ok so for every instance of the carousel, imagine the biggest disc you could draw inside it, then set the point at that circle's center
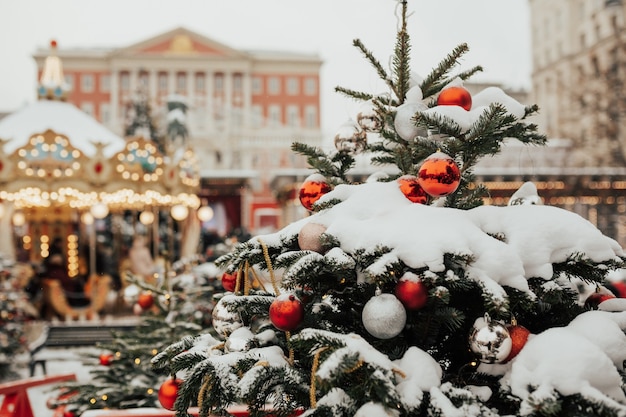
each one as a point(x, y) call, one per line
point(70, 186)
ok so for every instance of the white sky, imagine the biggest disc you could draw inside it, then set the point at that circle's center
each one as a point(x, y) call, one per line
point(497, 32)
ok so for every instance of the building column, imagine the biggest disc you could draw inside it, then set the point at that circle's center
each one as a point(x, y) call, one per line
point(247, 98)
point(115, 101)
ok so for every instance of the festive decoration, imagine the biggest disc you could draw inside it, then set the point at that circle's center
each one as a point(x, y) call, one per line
point(168, 392)
point(597, 297)
point(350, 138)
point(490, 341)
point(366, 117)
point(225, 321)
point(229, 281)
point(404, 121)
point(130, 294)
point(439, 175)
point(618, 288)
point(313, 187)
point(384, 316)
point(410, 187)
point(146, 300)
point(525, 195)
point(455, 96)
point(286, 312)
point(309, 237)
point(519, 337)
point(411, 292)
point(106, 358)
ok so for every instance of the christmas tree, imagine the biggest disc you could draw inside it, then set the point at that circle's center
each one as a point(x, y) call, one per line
point(121, 374)
point(403, 295)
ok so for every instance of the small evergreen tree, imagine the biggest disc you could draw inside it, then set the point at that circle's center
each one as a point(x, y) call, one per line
point(402, 295)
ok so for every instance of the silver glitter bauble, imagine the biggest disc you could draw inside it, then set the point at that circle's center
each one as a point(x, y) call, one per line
point(131, 294)
point(366, 117)
point(350, 138)
point(384, 316)
point(404, 121)
point(309, 237)
point(225, 321)
point(491, 341)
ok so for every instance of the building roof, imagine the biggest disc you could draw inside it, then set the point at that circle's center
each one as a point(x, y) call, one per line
point(63, 118)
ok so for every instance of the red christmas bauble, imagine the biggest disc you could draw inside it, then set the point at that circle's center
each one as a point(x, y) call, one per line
point(286, 312)
point(455, 96)
point(229, 281)
point(106, 359)
point(69, 414)
point(413, 294)
point(594, 300)
point(519, 337)
point(312, 189)
point(411, 189)
point(169, 392)
point(618, 288)
point(145, 300)
point(439, 175)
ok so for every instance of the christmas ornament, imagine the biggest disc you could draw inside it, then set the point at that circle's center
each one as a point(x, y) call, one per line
point(409, 185)
point(439, 175)
point(229, 281)
point(414, 95)
point(525, 195)
point(168, 392)
point(383, 316)
point(519, 337)
point(455, 96)
point(145, 300)
point(225, 321)
point(490, 340)
point(106, 359)
point(350, 138)
point(286, 312)
point(411, 292)
point(313, 187)
point(366, 117)
point(404, 121)
point(618, 288)
point(309, 237)
point(597, 297)
point(131, 294)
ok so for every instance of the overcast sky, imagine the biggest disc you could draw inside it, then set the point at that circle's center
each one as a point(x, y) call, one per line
point(497, 32)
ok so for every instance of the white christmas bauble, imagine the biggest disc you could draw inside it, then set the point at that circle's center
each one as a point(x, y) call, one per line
point(131, 294)
point(309, 237)
point(350, 138)
point(384, 316)
point(404, 120)
point(367, 118)
point(225, 321)
point(414, 95)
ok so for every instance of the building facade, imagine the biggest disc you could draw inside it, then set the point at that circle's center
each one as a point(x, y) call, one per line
point(245, 108)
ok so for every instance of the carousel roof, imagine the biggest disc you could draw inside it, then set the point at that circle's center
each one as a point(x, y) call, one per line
point(63, 118)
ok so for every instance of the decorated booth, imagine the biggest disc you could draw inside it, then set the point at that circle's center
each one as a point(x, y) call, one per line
point(70, 186)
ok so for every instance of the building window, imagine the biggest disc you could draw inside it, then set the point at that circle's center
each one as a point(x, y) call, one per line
point(273, 85)
point(292, 86)
point(105, 83)
point(86, 83)
point(219, 83)
point(293, 116)
point(257, 85)
point(238, 83)
point(200, 84)
point(105, 113)
point(162, 81)
point(181, 82)
point(274, 115)
point(69, 80)
point(256, 115)
point(310, 117)
point(310, 86)
point(125, 81)
point(87, 107)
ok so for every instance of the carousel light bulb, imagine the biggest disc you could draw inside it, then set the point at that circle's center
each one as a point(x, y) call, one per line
point(179, 212)
point(99, 210)
point(18, 218)
point(146, 217)
point(205, 213)
point(87, 218)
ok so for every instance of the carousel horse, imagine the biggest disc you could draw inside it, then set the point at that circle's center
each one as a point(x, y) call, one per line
point(94, 298)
